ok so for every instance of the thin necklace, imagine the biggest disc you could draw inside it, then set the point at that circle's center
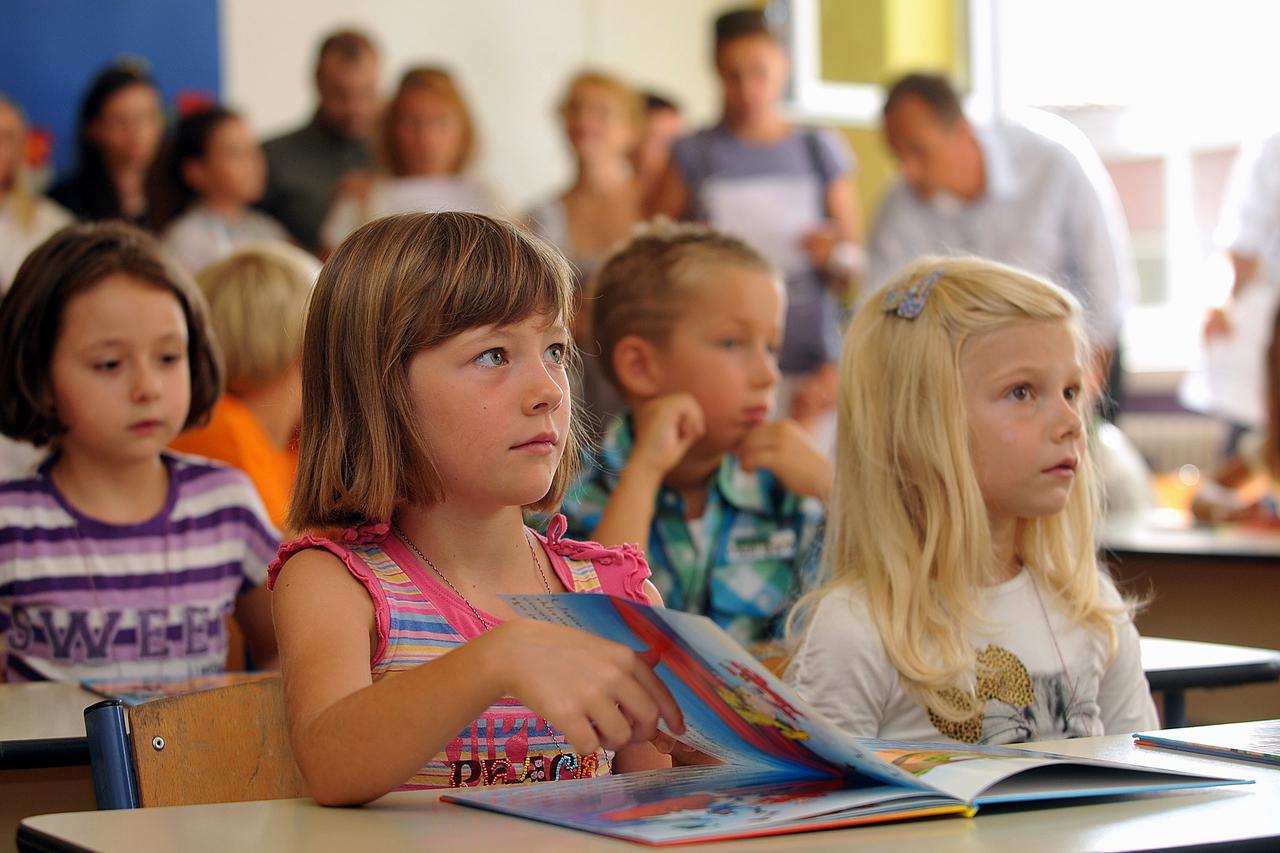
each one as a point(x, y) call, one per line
point(404, 537)
point(1053, 635)
point(537, 565)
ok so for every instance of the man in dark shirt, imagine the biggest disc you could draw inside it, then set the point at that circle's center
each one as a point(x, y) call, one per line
point(306, 166)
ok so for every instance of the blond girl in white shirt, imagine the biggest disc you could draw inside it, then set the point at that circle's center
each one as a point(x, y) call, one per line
point(962, 597)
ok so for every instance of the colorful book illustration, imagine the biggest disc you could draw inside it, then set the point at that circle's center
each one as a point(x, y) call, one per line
point(1258, 742)
point(786, 769)
point(135, 691)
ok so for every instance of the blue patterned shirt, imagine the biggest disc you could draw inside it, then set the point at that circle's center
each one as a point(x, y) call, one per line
point(761, 541)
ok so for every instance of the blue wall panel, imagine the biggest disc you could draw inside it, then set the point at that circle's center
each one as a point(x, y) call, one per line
point(51, 49)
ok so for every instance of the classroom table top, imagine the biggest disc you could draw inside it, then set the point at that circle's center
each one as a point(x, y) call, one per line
point(42, 724)
point(1156, 535)
point(1179, 664)
point(416, 820)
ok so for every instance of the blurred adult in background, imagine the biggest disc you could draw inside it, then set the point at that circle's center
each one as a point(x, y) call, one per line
point(207, 180)
point(306, 168)
point(120, 129)
point(426, 145)
point(785, 190)
point(1249, 231)
point(1247, 487)
point(1029, 191)
point(26, 219)
point(1250, 227)
point(662, 126)
point(602, 119)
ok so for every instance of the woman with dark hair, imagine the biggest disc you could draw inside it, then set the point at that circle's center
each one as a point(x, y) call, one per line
point(119, 134)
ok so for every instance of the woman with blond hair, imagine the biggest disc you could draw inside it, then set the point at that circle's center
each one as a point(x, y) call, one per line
point(962, 598)
point(426, 146)
point(602, 117)
point(26, 219)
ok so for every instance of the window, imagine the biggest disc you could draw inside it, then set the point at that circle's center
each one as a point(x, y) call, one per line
point(1166, 92)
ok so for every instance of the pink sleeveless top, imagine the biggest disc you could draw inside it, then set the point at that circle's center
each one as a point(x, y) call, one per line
point(419, 618)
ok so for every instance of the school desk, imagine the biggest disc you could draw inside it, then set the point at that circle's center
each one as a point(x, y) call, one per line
point(1174, 666)
point(1245, 815)
point(1215, 585)
point(42, 724)
point(44, 757)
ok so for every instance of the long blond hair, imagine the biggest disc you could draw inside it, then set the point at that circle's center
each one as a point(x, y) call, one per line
point(17, 193)
point(907, 519)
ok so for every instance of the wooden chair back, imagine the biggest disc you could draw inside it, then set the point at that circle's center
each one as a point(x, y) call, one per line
point(215, 746)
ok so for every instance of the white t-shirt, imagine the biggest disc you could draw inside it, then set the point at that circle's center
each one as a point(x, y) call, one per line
point(1251, 209)
point(388, 196)
point(201, 236)
point(842, 669)
point(18, 238)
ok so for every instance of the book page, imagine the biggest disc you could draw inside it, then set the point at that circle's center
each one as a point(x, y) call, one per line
point(990, 774)
point(734, 708)
point(690, 803)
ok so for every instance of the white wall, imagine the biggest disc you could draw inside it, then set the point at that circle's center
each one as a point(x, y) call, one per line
point(512, 59)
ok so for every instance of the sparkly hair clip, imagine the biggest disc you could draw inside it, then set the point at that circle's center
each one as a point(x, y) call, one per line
point(908, 302)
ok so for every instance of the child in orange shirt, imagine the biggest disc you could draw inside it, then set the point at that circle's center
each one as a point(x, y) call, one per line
point(257, 301)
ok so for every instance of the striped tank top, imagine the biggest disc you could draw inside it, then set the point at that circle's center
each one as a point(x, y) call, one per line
point(419, 619)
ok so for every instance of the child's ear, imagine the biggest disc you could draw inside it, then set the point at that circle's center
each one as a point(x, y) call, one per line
point(635, 363)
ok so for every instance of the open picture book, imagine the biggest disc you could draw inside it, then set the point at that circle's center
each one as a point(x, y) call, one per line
point(786, 769)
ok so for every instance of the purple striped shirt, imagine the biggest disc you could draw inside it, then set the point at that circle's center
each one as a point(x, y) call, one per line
point(82, 598)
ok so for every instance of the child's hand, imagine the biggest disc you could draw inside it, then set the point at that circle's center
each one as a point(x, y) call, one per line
point(681, 754)
point(787, 450)
point(666, 427)
point(820, 242)
point(600, 694)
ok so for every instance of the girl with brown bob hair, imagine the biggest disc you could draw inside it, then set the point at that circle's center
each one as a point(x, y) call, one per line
point(131, 555)
point(435, 410)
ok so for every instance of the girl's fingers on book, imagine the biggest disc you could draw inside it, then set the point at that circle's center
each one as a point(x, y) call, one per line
point(640, 710)
point(610, 724)
point(664, 742)
point(580, 734)
point(667, 707)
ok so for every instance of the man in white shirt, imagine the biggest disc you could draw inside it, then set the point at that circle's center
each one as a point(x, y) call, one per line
point(1250, 228)
point(1249, 232)
point(1030, 192)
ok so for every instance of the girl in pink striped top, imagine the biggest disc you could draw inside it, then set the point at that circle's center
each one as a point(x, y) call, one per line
point(435, 410)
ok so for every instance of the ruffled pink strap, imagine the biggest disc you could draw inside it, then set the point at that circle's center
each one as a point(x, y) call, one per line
point(359, 569)
point(622, 569)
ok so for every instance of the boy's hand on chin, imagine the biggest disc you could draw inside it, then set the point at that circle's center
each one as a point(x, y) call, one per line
point(666, 427)
point(786, 449)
